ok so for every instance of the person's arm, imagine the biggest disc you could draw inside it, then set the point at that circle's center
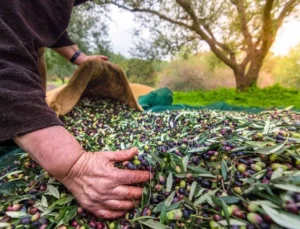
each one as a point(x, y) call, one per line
point(68, 51)
point(92, 178)
point(65, 47)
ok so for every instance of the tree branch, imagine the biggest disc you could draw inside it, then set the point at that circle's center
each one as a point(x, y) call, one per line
point(245, 62)
point(267, 32)
point(231, 62)
point(244, 24)
point(221, 45)
point(161, 16)
point(287, 9)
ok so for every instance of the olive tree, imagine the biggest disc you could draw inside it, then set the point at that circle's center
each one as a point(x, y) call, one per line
point(239, 32)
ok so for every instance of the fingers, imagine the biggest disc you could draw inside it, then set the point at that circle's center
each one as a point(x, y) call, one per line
point(127, 193)
point(106, 214)
point(105, 58)
point(122, 155)
point(120, 205)
point(132, 177)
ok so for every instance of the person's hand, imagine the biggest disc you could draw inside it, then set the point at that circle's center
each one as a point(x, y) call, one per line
point(82, 58)
point(97, 185)
point(68, 51)
point(103, 189)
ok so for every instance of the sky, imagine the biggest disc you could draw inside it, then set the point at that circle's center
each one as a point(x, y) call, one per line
point(121, 30)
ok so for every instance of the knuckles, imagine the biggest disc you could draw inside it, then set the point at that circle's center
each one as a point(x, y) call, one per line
point(128, 193)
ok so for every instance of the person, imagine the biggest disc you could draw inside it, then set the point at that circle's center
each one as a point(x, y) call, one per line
point(25, 27)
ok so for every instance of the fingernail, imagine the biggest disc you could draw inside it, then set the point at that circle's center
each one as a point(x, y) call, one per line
point(135, 149)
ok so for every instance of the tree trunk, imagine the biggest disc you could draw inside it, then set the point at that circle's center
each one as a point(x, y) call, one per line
point(245, 79)
point(243, 82)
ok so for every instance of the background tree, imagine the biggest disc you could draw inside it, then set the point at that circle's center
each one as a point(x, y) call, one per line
point(239, 32)
point(141, 71)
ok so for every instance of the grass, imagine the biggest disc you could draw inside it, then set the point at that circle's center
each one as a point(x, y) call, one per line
point(268, 97)
point(56, 82)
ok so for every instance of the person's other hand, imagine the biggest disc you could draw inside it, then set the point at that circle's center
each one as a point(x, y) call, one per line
point(82, 58)
point(103, 189)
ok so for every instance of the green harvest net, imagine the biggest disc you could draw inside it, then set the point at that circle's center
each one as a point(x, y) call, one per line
point(162, 100)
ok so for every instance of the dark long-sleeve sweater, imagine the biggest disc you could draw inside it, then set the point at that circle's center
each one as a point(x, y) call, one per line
point(26, 26)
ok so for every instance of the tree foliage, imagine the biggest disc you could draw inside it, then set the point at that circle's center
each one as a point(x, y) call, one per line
point(141, 71)
point(287, 68)
point(239, 32)
point(88, 29)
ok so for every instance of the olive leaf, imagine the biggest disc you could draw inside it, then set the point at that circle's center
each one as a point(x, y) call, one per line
point(193, 189)
point(163, 215)
point(62, 201)
point(5, 225)
point(270, 150)
point(209, 200)
point(234, 222)
point(200, 171)
point(277, 174)
point(169, 182)
point(60, 216)
point(229, 199)
point(145, 197)
point(294, 140)
point(70, 214)
point(16, 214)
point(44, 201)
point(267, 126)
point(284, 219)
point(122, 146)
point(170, 198)
point(159, 207)
point(153, 224)
point(224, 170)
point(188, 203)
point(266, 203)
point(53, 191)
point(185, 162)
point(288, 187)
point(226, 213)
point(198, 150)
point(205, 197)
point(11, 173)
point(157, 159)
point(200, 200)
point(201, 190)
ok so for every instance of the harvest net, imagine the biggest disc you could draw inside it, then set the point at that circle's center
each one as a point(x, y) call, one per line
point(211, 169)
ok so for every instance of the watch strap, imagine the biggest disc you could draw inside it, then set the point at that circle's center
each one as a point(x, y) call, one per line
point(75, 56)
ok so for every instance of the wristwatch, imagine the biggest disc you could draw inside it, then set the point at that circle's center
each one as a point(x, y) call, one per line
point(75, 56)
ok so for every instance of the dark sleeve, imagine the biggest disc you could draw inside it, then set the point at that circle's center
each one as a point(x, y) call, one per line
point(63, 41)
point(23, 108)
point(22, 103)
point(78, 2)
